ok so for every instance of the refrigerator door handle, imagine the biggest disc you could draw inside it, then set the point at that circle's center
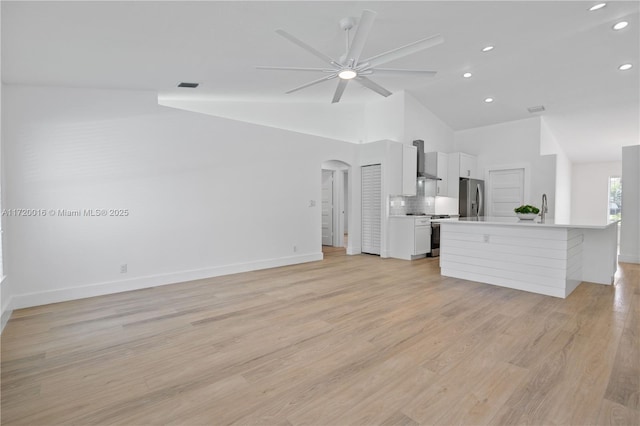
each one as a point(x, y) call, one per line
point(479, 199)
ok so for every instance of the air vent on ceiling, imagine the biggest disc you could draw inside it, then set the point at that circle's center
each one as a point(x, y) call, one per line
point(535, 109)
point(189, 85)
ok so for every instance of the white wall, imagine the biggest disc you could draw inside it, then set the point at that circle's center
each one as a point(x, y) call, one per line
point(205, 195)
point(346, 120)
point(399, 117)
point(421, 123)
point(5, 293)
point(384, 119)
point(402, 118)
point(590, 191)
point(513, 144)
point(549, 146)
point(630, 226)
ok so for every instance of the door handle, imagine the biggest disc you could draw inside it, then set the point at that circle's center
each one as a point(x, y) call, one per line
point(479, 199)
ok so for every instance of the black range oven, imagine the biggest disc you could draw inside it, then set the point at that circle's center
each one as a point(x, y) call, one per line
point(435, 235)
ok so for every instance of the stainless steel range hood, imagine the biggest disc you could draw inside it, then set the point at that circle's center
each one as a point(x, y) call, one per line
point(422, 174)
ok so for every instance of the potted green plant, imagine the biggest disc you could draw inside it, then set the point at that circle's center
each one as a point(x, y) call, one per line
point(526, 212)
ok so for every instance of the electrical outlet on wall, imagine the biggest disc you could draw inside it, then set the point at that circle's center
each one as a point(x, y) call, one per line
point(295, 249)
point(123, 268)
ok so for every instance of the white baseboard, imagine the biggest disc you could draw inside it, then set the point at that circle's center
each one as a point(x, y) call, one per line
point(570, 286)
point(100, 289)
point(354, 250)
point(502, 282)
point(6, 314)
point(6, 308)
point(628, 259)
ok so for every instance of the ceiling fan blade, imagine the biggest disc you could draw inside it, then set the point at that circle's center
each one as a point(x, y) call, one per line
point(306, 47)
point(361, 36)
point(339, 90)
point(403, 51)
point(373, 86)
point(293, 69)
point(320, 80)
point(382, 71)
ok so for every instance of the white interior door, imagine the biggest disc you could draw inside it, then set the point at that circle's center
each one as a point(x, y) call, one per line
point(327, 207)
point(345, 204)
point(371, 208)
point(506, 191)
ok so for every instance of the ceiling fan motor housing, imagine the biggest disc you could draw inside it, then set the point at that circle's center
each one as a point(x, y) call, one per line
point(347, 23)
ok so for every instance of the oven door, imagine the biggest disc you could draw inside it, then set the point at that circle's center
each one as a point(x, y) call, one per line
point(435, 239)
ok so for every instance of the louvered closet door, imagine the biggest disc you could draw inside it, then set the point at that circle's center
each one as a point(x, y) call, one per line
point(371, 208)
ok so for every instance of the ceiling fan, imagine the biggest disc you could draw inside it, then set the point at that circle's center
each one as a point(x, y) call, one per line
point(349, 66)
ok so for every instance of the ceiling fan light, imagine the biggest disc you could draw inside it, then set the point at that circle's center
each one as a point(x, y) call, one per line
point(347, 74)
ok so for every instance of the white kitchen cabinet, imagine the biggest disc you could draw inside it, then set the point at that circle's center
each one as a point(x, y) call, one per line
point(437, 163)
point(461, 165)
point(409, 169)
point(468, 166)
point(409, 237)
point(402, 169)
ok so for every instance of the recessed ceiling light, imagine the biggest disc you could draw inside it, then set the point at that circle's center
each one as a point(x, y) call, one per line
point(597, 7)
point(625, 67)
point(620, 25)
point(488, 100)
point(488, 48)
point(347, 74)
point(467, 75)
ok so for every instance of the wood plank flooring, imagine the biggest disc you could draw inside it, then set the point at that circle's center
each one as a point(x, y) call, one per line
point(350, 340)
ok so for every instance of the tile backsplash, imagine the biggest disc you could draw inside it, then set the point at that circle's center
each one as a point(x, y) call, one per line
point(423, 202)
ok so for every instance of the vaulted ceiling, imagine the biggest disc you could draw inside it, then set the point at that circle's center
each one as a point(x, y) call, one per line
point(551, 53)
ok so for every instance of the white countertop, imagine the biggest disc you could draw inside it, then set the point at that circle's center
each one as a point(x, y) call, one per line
point(514, 221)
point(428, 216)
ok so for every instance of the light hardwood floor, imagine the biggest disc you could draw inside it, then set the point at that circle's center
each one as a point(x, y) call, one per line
point(349, 340)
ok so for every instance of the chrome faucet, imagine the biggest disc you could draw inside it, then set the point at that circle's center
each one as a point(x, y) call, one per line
point(544, 208)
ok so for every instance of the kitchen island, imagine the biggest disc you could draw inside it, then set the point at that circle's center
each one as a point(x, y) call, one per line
point(547, 258)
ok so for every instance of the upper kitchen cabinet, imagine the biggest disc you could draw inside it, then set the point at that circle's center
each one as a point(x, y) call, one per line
point(437, 163)
point(401, 168)
point(465, 165)
point(409, 169)
point(461, 165)
point(468, 166)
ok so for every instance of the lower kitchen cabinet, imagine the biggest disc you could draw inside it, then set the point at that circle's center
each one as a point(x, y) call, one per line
point(409, 237)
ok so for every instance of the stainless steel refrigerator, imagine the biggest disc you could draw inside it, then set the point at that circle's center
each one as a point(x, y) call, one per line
point(471, 197)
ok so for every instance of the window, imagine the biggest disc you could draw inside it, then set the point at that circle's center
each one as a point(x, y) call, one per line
point(615, 197)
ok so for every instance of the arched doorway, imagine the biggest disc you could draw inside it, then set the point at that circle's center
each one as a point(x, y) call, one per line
point(336, 184)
